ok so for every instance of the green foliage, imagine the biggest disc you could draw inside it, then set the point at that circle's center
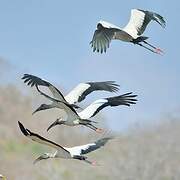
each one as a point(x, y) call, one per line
point(12, 146)
point(144, 154)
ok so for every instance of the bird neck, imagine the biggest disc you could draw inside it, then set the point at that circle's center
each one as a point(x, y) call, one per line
point(53, 105)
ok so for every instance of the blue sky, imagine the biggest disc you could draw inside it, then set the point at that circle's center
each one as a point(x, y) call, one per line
point(51, 39)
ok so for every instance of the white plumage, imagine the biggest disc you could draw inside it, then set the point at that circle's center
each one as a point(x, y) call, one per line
point(73, 96)
point(74, 118)
point(132, 32)
point(89, 111)
point(77, 94)
point(108, 24)
point(136, 23)
point(75, 152)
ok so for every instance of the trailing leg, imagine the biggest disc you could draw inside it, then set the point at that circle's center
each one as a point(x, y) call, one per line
point(147, 48)
point(158, 50)
point(83, 158)
point(89, 125)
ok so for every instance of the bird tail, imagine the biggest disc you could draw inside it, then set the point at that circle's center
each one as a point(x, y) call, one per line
point(87, 121)
point(140, 39)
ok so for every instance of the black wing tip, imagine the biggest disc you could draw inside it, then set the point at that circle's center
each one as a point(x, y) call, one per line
point(97, 50)
point(112, 83)
point(110, 86)
point(25, 76)
point(163, 24)
point(130, 97)
point(114, 86)
point(22, 128)
point(32, 80)
point(127, 99)
point(104, 140)
point(129, 94)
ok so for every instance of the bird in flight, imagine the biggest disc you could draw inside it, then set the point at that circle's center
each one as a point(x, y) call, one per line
point(76, 95)
point(132, 32)
point(74, 118)
point(76, 152)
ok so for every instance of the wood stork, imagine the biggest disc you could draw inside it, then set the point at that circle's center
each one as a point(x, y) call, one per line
point(130, 33)
point(78, 94)
point(75, 152)
point(74, 118)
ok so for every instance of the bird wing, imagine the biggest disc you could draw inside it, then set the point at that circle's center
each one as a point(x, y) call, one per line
point(84, 149)
point(32, 80)
point(103, 36)
point(80, 92)
point(68, 108)
point(125, 99)
point(42, 140)
point(70, 111)
point(139, 20)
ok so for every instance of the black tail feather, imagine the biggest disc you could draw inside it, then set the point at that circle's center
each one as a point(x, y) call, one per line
point(140, 39)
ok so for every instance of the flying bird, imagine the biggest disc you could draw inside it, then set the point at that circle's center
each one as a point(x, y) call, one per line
point(76, 152)
point(132, 32)
point(76, 95)
point(74, 118)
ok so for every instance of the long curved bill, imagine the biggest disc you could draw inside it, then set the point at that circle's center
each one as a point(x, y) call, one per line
point(38, 109)
point(54, 124)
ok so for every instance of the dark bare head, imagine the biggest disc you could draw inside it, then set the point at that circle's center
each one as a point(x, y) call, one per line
point(42, 107)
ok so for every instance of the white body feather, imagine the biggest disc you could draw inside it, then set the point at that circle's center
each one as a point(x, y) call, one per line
point(135, 22)
point(77, 149)
point(108, 25)
point(91, 109)
point(73, 96)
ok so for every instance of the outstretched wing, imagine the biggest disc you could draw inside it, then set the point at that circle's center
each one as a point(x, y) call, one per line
point(139, 20)
point(42, 140)
point(96, 145)
point(32, 80)
point(84, 149)
point(125, 99)
point(103, 35)
point(80, 92)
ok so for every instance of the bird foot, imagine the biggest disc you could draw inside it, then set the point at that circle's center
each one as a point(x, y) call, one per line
point(159, 51)
point(94, 163)
point(99, 130)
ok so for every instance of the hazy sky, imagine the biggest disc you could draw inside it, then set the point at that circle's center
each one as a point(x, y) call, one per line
point(51, 39)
